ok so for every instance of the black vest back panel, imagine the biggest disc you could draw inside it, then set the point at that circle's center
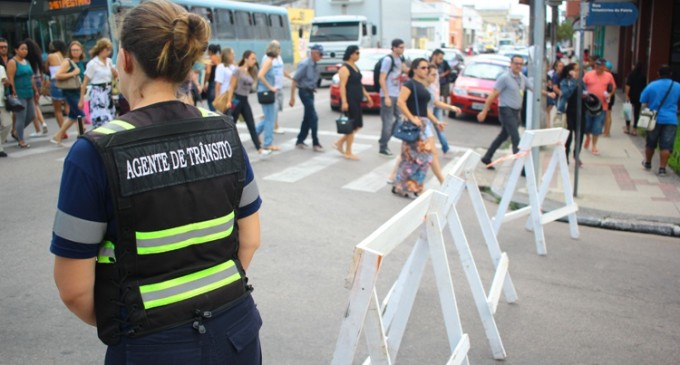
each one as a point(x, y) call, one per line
point(176, 188)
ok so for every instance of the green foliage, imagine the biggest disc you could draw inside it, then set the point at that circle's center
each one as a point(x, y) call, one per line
point(565, 31)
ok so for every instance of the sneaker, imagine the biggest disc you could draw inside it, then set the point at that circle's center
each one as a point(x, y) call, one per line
point(3, 154)
point(646, 165)
point(386, 153)
point(264, 153)
point(279, 131)
point(44, 129)
point(35, 134)
point(301, 146)
point(318, 148)
point(486, 162)
point(662, 171)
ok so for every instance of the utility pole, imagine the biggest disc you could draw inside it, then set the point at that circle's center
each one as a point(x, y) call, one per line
point(538, 73)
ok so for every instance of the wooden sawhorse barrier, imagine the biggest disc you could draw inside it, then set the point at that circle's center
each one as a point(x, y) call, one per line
point(384, 327)
point(459, 180)
point(537, 138)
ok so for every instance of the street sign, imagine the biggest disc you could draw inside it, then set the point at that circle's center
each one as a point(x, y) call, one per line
point(621, 14)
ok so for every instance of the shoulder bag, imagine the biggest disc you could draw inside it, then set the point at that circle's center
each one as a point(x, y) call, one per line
point(72, 83)
point(266, 97)
point(344, 124)
point(648, 117)
point(12, 103)
point(404, 129)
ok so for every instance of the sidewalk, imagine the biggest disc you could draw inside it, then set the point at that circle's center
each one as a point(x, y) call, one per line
point(614, 190)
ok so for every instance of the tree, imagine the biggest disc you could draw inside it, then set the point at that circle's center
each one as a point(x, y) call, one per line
point(565, 31)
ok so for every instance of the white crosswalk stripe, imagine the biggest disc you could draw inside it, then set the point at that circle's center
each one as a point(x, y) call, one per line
point(311, 166)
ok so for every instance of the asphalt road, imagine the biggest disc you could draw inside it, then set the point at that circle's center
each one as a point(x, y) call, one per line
point(607, 298)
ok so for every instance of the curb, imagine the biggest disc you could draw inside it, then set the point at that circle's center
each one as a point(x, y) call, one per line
point(661, 226)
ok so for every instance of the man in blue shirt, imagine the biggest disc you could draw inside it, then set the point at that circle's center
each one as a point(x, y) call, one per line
point(305, 79)
point(663, 134)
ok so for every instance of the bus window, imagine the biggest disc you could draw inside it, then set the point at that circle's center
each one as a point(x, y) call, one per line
point(244, 25)
point(205, 13)
point(84, 26)
point(225, 24)
point(277, 27)
point(261, 24)
point(364, 31)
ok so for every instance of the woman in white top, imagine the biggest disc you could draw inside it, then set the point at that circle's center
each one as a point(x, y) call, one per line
point(56, 57)
point(99, 73)
point(223, 72)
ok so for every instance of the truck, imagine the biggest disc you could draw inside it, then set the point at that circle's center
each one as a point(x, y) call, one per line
point(363, 23)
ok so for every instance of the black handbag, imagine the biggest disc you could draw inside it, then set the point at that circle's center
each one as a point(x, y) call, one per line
point(12, 104)
point(266, 97)
point(344, 124)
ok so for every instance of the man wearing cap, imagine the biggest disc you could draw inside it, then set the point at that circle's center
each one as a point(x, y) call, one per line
point(305, 80)
point(662, 96)
point(596, 82)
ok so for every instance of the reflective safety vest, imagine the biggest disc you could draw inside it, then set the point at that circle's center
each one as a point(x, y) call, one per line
point(176, 188)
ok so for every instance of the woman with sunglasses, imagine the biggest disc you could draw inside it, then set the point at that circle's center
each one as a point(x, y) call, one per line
point(352, 92)
point(415, 156)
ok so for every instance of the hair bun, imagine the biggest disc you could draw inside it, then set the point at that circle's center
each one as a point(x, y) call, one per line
point(190, 36)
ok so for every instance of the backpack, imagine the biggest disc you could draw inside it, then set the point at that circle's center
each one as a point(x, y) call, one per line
point(376, 71)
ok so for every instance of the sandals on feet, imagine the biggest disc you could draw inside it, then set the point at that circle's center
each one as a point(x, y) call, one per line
point(25, 145)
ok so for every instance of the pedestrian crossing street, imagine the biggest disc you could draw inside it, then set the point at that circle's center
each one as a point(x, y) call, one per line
point(311, 165)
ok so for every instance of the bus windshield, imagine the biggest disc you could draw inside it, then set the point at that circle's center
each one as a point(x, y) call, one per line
point(325, 32)
point(86, 27)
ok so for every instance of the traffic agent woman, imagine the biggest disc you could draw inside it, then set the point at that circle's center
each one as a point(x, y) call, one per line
point(157, 219)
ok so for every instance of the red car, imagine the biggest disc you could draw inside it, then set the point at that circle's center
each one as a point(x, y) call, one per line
point(475, 83)
point(367, 60)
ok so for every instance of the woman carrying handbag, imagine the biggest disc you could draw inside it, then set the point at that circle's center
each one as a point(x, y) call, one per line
point(352, 92)
point(415, 156)
point(22, 86)
point(68, 77)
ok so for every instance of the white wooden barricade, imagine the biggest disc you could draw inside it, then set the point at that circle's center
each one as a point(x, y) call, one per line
point(384, 328)
point(459, 180)
point(536, 138)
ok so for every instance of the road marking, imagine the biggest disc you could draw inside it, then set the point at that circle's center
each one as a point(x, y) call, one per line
point(374, 180)
point(300, 171)
point(39, 150)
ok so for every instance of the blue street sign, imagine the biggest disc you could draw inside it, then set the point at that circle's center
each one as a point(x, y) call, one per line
point(621, 14)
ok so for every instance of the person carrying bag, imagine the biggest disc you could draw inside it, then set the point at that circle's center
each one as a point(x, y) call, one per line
point(72, 83)
point(648, 117)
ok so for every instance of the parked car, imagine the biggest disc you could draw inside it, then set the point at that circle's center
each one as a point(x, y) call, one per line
point(475, 83)
point(367, 60)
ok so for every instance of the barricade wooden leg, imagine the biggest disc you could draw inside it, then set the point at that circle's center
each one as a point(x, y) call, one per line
point(357, 307)
point(535, 206)
point(442, 273)
point(489, 236)
point(478, 292)
point(374, 332)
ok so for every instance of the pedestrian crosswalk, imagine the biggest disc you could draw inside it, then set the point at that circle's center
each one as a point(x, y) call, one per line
point(297, 167)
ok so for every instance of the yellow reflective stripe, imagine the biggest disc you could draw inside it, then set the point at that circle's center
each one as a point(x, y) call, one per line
point(106, 254)
point(207, 113)
point(114, 126)
point(179, 237)
point(189, 286)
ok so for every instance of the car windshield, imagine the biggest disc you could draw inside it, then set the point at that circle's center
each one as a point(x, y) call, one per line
point(484, 71)
point(368, 60)
point(337, 31)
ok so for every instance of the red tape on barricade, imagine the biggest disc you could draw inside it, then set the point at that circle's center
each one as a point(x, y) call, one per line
point(509, 157)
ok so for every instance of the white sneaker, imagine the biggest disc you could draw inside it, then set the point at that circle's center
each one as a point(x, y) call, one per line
point(265, 153)
point(35, 134)
point(279, 131)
